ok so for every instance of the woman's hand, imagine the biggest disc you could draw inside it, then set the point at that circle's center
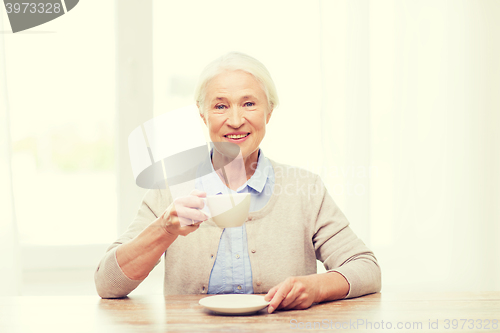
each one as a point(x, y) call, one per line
point(183, 216)
point(300, 292)
point(296, 292)
point(137, 257)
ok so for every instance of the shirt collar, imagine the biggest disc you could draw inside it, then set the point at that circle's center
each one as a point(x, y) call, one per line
point(259, 178)
point(213, 185)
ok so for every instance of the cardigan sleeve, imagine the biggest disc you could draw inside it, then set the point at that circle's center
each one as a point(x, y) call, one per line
point(109, 279)
point(340, 250)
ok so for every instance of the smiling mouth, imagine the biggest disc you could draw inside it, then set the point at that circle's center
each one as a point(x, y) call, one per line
point(239, 136)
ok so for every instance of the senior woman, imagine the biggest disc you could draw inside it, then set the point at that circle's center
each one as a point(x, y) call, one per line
point(292, 222)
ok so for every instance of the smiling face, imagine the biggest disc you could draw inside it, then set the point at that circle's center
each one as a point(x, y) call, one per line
point(236, 110)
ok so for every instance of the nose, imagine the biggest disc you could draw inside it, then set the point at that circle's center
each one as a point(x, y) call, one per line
point(235, 118)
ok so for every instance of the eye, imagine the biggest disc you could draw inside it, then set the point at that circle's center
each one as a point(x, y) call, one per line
point(220, 107)
point(249, 104)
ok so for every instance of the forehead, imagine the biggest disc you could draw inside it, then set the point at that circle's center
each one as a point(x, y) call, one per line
point(234, 84)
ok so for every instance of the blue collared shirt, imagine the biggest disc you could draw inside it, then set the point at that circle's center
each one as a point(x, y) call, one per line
point(232, 273)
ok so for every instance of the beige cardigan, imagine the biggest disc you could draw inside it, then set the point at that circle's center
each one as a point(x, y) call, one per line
point(299, 224)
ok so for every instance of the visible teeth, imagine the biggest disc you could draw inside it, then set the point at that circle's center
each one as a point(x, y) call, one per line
point(236, 136)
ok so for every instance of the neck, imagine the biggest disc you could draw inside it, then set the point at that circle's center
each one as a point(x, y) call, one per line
point(235, 172)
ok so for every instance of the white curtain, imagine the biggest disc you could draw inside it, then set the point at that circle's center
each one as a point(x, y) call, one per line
point(410, 93)
point(10, 268)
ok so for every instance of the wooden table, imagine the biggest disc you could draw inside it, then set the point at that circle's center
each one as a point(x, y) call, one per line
point(418, 312)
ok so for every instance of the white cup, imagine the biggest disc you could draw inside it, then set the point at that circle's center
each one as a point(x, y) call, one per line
point(228, 210)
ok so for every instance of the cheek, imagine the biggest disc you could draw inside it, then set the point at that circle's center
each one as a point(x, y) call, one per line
point(263, 124)
point(213, 126)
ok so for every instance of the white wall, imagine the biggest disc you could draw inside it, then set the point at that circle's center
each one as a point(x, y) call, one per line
point(434, 82)
point(392, 102)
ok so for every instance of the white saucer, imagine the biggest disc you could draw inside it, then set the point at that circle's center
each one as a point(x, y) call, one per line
point(234, 304)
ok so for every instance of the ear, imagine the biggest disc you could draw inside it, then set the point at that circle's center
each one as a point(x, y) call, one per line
point(201, 113)
point(268, 116)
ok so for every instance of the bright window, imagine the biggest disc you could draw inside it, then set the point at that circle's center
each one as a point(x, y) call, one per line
point(61, 81)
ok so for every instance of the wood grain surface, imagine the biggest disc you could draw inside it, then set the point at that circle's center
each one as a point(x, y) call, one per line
point(411, 312)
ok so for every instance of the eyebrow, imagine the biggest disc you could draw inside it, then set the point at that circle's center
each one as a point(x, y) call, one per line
point(220, 99)
point(241, 98)
point(248, 97)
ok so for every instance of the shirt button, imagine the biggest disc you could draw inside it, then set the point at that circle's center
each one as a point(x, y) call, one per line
point(259, 283)
point(211, 256)
point(237, 256)
point(203, 288)
point(253, 251)
point(239, 287)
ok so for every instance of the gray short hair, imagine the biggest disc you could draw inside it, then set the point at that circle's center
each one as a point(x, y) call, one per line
point(236, 61)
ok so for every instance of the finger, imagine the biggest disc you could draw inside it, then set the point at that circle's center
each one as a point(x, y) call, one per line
point(300, 301)
point(298, 304)
point(271, 292)
point(290, 298)
point(188, 222)
point(184, 222)
point(198, 193)
point(280, 295)
point(191, 214)
point(184, 231)
point(190, 201)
